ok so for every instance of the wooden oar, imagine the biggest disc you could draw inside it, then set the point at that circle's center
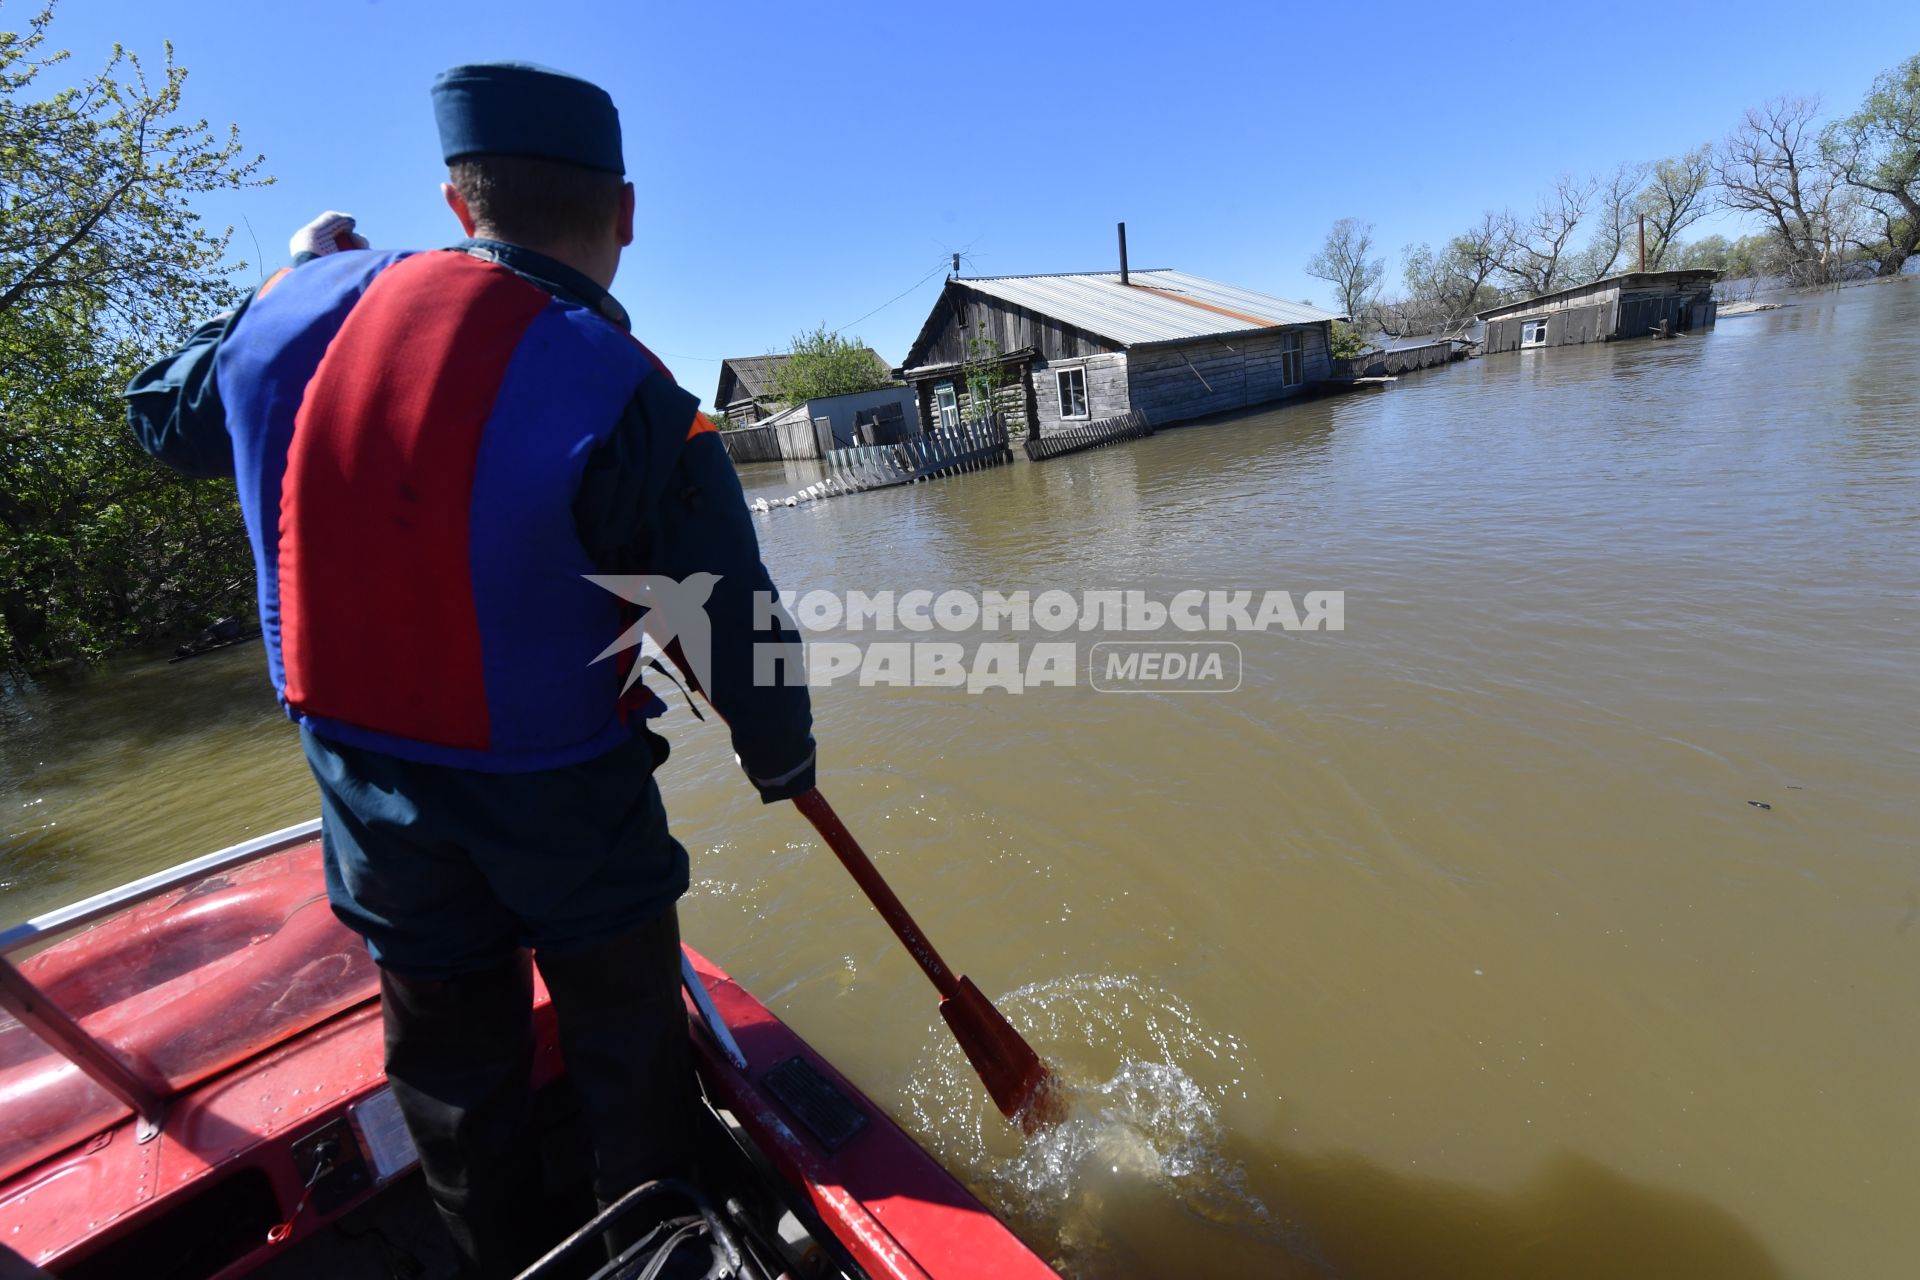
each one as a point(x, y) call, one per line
point(1019, 1083)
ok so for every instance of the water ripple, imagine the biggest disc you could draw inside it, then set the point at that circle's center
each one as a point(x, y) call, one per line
point(1147, 1080)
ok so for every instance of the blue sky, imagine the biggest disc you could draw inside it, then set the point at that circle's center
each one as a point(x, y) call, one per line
point(800, 164)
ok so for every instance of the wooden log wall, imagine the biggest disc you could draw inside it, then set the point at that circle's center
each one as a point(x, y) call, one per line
point(1009, 403)
point(1214, 375)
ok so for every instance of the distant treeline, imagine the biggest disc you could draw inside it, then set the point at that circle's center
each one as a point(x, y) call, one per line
point(1826, 198)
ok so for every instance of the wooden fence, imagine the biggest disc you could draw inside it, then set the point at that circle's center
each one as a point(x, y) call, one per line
point(1376, 364)
point(1092, 436)
point(752, 444)
point(944, 451)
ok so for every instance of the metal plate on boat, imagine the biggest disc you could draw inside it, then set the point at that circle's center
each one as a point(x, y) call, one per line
point(383, 1132)
point(816, 1102)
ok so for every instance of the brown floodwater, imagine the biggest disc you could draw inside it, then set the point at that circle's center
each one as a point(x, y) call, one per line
point(1450, 944)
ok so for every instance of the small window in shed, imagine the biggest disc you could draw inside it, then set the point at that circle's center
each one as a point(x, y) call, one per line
point(1533, 333)
point(946, 406)
point(1073, 392)
point(1291, 374)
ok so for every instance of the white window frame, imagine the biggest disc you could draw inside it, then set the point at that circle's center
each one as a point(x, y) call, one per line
point(1293, 359)
point(946, 405)
point(1533, 333)
point(1060, 377)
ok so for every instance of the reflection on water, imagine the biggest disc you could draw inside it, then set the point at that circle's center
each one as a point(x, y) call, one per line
point(1450, 944)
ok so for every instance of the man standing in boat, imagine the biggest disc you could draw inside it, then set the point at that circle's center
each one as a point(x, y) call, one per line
point(434, 450)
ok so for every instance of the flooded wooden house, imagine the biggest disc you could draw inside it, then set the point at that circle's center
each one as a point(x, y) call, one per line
point(1637, 304)
point(746, 390)
point(1060, 351)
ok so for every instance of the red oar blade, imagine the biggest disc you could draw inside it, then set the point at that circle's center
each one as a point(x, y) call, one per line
point(1019, 1083)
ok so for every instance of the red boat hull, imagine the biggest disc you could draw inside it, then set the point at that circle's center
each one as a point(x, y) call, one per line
point(239, 1137)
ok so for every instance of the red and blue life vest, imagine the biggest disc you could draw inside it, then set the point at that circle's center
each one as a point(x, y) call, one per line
point(409, 432)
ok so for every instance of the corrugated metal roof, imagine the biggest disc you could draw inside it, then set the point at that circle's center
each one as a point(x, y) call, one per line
point(1155, 306)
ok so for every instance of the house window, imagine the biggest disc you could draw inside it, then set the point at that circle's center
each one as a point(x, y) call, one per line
point(1533, 333)
point(946, 406)
point(1073, 392)
point(1292, 371)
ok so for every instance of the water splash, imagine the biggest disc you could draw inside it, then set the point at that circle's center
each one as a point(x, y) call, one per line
point(1146, 1081)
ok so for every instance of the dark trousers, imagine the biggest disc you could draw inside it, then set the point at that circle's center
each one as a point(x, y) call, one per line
point(460, 1058)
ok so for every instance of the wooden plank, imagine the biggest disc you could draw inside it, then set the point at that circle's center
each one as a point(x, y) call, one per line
point(1092, 436)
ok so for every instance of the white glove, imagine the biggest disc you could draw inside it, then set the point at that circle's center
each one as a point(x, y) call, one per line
point(328, 233)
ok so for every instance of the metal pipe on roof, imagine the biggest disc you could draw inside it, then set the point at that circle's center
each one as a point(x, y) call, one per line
point(1123, 253)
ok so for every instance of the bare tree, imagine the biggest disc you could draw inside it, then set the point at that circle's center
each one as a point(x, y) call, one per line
point(1538, 253)
point(1674, 199)
point(1876, 151)
point(1616, 206)
point(1343, 263)
point(1445, 289)
point(1476, 256)
point(1771, 167)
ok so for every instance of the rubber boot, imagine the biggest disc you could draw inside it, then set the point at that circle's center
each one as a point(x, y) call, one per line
point(623, 1039)
point(460, 1058)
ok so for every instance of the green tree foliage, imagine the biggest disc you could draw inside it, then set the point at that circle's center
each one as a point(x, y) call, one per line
point(1346, 342)
point(826, 364)
point(103, 265)
point(1876, 151)
point(984, 376)
point(1760, 254)
point(1710, 253)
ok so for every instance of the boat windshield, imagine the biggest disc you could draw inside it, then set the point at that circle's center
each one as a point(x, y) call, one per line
point(177, 988)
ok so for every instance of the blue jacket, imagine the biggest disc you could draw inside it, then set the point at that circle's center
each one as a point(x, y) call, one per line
point(605, 465)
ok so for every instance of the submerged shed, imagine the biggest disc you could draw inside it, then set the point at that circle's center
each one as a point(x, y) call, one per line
point(1634, 305)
